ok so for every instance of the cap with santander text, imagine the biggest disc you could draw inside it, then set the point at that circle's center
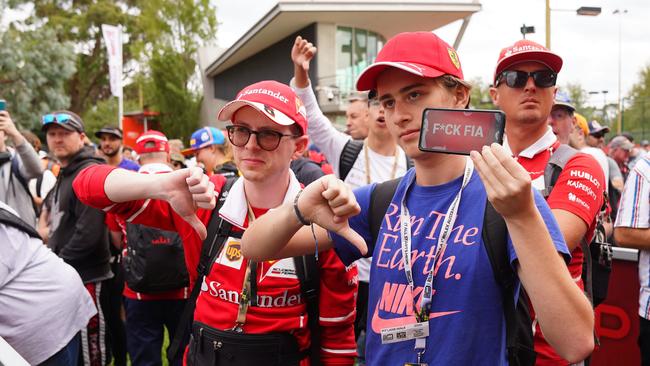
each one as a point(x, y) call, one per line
point(526, 50)
point(275, 100)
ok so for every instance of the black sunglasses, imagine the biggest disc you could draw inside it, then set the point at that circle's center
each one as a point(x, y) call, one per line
point(518, 79)
point(268, 140)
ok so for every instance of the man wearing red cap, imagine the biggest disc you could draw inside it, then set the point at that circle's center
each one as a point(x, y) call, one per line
point(247, 313)
point(433, 295)
point(524, 89)
point(154, 270)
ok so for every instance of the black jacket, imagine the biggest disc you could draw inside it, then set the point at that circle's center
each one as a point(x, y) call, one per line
point(306, 171)
point(227, 169)
point(78, 233)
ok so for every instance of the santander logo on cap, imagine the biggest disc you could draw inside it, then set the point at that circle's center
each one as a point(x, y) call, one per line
point(277, 95)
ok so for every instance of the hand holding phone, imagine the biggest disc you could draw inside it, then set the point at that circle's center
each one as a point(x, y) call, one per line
point(459, 131)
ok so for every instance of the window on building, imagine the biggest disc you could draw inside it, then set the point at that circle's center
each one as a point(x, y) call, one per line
point(356, 49)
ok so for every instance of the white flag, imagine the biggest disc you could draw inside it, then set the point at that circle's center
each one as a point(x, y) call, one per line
point(113, 40)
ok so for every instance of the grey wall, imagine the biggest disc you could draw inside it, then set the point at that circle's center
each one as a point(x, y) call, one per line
point(272, 63)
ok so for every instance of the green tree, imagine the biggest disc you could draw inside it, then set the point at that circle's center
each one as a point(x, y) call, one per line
point(34, 67)
point(153, 29)
point(636, 116)
point(579, 97)
point(480, 95)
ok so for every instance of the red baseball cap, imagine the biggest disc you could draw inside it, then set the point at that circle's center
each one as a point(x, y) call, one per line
point(151, 141)
point(527, 50)
point(275, 100)
point(420, 53)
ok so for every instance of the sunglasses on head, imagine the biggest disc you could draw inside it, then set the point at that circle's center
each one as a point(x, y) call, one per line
point(56, 118)
point(268, 140)
point(518, 79)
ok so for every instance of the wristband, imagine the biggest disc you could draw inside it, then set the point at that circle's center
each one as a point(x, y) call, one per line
point(297, 211)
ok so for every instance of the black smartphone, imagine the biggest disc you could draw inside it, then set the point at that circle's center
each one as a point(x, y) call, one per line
point(3, 104)
point(459, 131)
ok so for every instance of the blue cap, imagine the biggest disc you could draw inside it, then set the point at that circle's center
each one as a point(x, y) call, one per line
point(563, 99)
point(203, 137)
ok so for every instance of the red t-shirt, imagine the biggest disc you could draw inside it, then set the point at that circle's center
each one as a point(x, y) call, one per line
point(280, 304)
point(579, 190)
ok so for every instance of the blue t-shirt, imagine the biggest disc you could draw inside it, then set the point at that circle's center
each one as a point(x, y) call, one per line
point(129, 165)
point(467, 324)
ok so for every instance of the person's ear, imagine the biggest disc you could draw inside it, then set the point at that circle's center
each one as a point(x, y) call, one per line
point(494, 94)
point(301, 146)
point(461, 96)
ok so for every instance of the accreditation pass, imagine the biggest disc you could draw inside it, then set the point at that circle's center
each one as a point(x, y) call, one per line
point(404, 332)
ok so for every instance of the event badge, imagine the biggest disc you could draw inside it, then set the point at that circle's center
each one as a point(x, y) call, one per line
point(404, 332)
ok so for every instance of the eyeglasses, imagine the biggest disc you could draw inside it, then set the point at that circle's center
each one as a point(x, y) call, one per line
point(56, 118)
point(518, 79)
point(268, 140)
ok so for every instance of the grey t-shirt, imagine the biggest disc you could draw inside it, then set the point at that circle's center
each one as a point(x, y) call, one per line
point(43, 302)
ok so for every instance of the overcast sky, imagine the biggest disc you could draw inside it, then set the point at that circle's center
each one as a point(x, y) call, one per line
point(588, 45)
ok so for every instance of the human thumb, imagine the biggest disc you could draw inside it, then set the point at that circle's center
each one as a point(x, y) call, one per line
point(354, 238)
point(197, 225)
point(305, 65)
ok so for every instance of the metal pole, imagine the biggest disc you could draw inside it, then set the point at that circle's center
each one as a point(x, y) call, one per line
point(620, 102)
point(548, 24)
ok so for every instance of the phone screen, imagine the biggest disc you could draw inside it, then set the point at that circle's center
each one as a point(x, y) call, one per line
point(459, 131)
point(3, 104)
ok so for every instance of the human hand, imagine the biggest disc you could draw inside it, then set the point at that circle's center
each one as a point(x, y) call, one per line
point(302, 53)
point(186, 190)
point(328, 202)
point(508, 184)
point(7, 125)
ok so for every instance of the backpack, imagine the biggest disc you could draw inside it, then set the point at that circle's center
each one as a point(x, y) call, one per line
point(9, 219)
point(155, 260)
point(597, 264)
point(349, 155)
point(218, 231)
point(519, 331)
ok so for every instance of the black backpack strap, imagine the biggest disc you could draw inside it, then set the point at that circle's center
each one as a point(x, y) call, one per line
point(380, 199)
point(519, 333)
point(308, 274)
point(349, 155)
point(218, 232)
point(554, 167)
point(9, 219)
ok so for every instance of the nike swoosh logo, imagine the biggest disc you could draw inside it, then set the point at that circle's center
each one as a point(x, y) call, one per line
point(378, 323)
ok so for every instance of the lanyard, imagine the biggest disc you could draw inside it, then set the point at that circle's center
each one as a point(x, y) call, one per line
point(246, 293)
point(445, 231)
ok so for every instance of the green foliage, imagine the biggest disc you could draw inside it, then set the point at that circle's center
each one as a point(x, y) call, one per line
point(161, 42)
point(105, 112)
point(34, 67)
point(179, 107)
point(579, 97)
point(480, 95)
point(636, 115)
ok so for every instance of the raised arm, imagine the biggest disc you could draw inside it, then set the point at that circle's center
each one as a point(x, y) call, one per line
point(320, 130)
point(565, 315)
point(327, 202)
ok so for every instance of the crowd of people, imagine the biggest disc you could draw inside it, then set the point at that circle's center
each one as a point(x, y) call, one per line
point(281, 240)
